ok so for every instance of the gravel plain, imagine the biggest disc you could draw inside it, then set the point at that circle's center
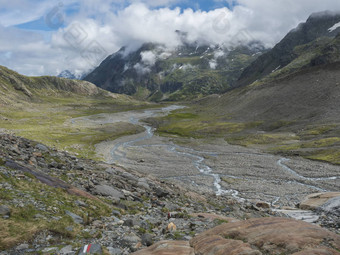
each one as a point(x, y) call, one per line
point(214, 166)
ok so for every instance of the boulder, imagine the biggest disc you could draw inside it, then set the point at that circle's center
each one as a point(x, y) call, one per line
point(268, 235)
point(331, 206)
point(161, 192)
point(4, 210)
point(111, 171)
point(263, 205)
point(91, 249)
point(147, 239)
point(130, 177)
point(130, 240)
point(114, 251)
point(317, 252)
point(168, 248)
point(41, 147)
point(106, 190)
point(143, 184)
point(218, 245)
point(313, 201)
point(76, 218)
point(67, 250)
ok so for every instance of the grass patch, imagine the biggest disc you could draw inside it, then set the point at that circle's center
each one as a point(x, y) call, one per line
point(187, 124)
point(318, 143)
point(317, 130)
point(48, 122)
point(279, 124)
point(261, 139)
point(328, 155)
point(38, 207)
point(229, 180)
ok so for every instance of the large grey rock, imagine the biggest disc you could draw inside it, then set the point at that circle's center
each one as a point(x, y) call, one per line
point(147, 240)
point(4, 210)
point(161, 192)
point(143, 184)
point(110, 170)
point(23, 246)
point(130, 240)
point(76, 218)
point(50, 250)
point(67, 250)
point(129, 223)
point(114, 251)
point(332, 206)
point(108, 191)
point(316, 200)
point(130, 177)
point(91, 249)
point(41, 147)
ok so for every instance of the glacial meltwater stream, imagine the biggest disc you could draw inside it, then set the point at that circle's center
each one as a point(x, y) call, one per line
point(212, 166)
point(118, 150)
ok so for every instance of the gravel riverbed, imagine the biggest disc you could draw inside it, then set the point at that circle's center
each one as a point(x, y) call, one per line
point(214, 166)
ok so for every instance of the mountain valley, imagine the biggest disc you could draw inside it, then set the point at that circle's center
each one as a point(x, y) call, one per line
point(195, 150)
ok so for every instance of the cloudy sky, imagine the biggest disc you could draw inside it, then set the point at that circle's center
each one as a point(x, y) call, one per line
point(44, 37)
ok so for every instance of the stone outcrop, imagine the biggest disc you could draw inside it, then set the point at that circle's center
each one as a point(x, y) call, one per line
point(316, 200)
point(212, 216)
point(266, 236)
point(168, 248)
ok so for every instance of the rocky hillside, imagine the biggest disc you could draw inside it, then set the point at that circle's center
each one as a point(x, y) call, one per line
point(52, 202)
point(15, 87)
point(157, 73)
point(298, 49)
point(41, 108)
point(57, 200)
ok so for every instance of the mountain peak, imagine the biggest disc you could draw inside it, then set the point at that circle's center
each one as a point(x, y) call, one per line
point(188, 71)
point(322, 15)
point(319, 25)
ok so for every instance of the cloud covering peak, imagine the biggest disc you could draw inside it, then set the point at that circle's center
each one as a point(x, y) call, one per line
point(77, 35)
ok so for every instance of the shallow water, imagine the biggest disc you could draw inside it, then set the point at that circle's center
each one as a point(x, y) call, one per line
point(201, 167)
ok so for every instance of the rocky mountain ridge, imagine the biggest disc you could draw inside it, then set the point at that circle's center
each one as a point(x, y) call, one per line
point(301, 45)
point(18, 88)
point(157, 73)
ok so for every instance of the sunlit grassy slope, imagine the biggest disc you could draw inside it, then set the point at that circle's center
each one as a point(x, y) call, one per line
point(39, 108)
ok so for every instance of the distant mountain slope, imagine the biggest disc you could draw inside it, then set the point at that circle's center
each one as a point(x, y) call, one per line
point(158, 73)
point(299, 45)
point(311, 95)
point(15, 87)
point(296, 115)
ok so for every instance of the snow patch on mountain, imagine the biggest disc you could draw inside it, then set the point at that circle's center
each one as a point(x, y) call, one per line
point(331, 29)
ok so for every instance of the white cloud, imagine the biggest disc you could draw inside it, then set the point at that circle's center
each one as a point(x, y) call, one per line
point(148, 58)
point(213, 64)
point(103, 29)
point(141, 69)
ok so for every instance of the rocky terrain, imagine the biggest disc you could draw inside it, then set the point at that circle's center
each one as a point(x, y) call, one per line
point(60, 202)
point(302, 47)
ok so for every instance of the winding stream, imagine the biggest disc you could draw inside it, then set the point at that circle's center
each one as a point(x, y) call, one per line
point(117, 152)
point(257, 175)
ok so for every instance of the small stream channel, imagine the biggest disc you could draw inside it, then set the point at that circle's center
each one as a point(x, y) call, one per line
point(117, 152)
point(198, 159)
